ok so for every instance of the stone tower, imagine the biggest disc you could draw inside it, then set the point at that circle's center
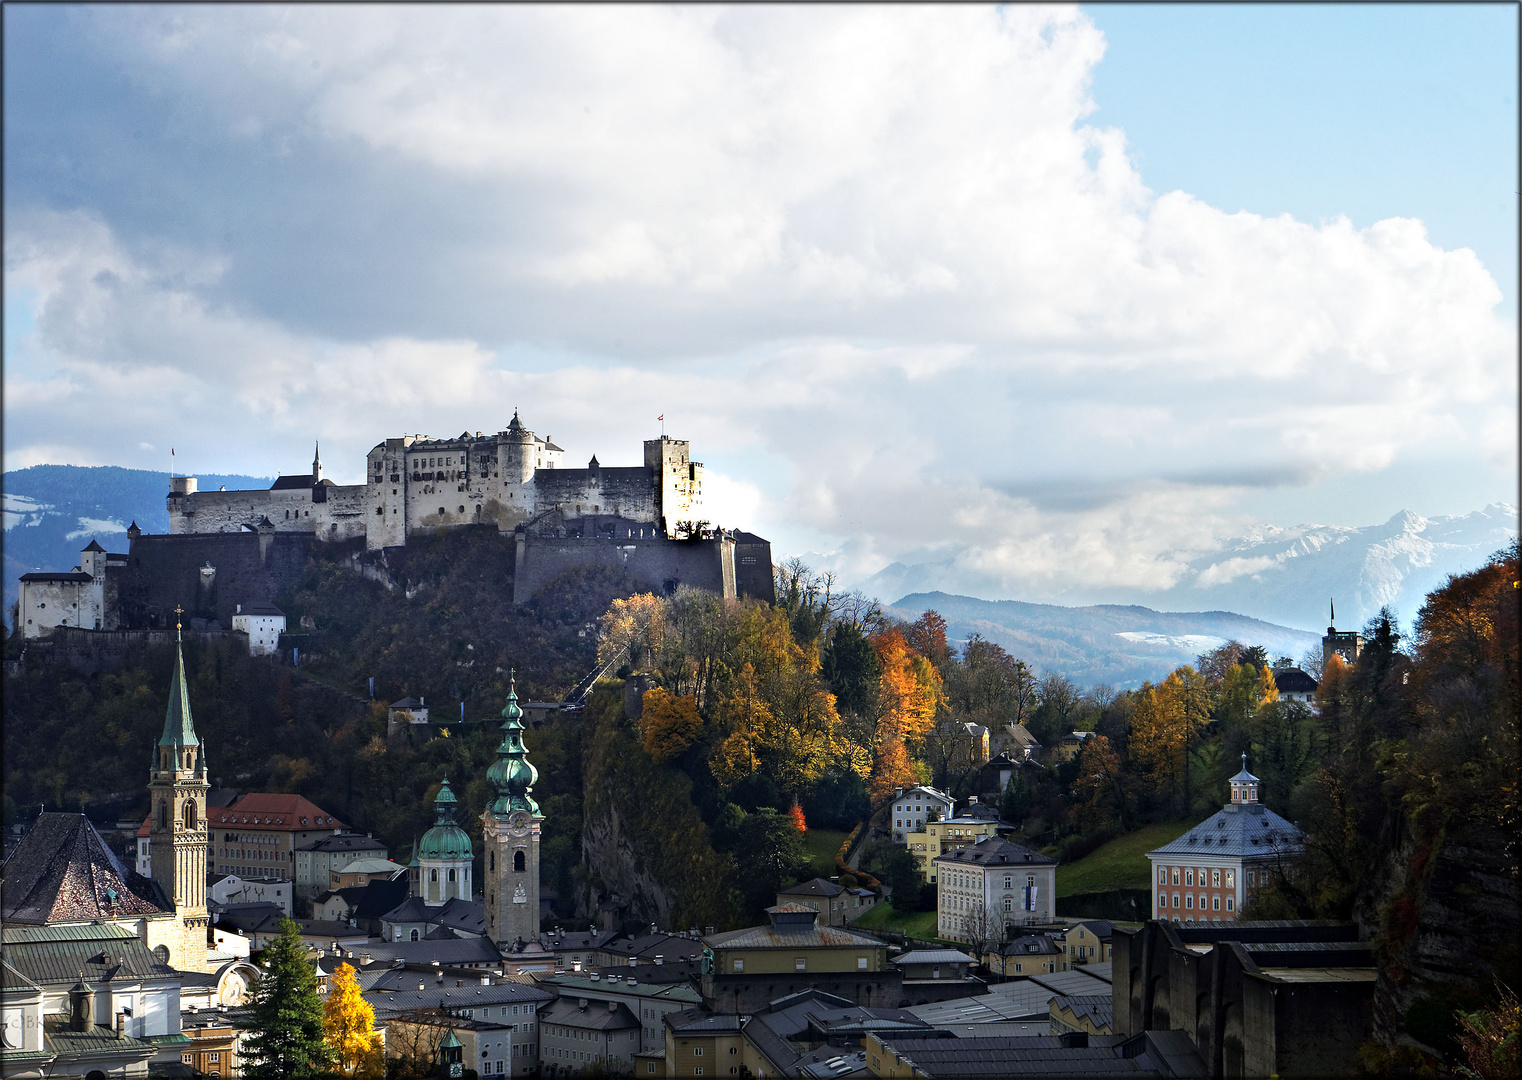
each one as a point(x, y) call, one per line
point(511, 825)
point(177, 834)
point(443, 858)
point(1347, 644)
point(678, 483)
point(518, 456)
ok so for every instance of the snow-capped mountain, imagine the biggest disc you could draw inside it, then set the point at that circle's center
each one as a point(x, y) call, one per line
point(1282, 575)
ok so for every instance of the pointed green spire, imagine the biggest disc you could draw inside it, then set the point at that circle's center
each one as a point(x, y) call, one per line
point(511, 774)
point(179, 729)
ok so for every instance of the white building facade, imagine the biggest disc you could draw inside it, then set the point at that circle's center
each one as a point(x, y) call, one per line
point(997, 882)
point(917, 805)
point(263, 623)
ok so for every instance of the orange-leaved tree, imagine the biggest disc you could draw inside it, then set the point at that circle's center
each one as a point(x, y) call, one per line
point(670, 724)
point(348, 1022)
point(796, 813)
point(909, 692)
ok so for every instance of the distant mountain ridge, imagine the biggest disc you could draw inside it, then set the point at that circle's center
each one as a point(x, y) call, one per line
point(52, 512)
point(1121, 645)
point(1284, 575)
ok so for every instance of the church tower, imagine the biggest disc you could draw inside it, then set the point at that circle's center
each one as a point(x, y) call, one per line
point(443, 858)
point(177, 834)
point(511, 825)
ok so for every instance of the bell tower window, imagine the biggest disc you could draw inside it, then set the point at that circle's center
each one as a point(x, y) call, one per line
point(518, 864)
point(188, 816)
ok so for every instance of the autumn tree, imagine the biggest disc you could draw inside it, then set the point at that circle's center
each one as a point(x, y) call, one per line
point(927, 636)
point(669, 724)
point(634, 628)
point(908, 696)
point(285, 1015)
point(1100, 792)
point(349, 1022)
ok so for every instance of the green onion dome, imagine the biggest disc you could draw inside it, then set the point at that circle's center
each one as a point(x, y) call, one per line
point(445, 840)
point(511, 774)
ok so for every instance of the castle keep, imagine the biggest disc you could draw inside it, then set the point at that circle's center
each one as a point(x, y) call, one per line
point(415, 483)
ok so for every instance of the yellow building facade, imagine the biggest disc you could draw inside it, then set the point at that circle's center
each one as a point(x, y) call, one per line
point(940, 837)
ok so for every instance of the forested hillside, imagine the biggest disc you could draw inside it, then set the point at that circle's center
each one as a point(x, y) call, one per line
point(759, 721)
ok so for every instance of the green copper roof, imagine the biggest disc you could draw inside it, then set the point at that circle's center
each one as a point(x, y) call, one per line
point(511, 774)
point(179, 729)
point(445, 840)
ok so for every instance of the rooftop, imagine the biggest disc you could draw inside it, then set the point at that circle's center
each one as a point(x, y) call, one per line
point(62, 871)
point(996, 851)
point(281, 813)
point(1237, 830)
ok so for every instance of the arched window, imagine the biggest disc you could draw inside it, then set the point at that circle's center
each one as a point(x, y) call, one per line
point(433, 875)
point(451, 875)
point(163, 815)
point(188, 816)
point(412, 935)
point(518, 861)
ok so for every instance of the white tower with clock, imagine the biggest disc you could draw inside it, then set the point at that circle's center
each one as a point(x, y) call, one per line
point(511, 826)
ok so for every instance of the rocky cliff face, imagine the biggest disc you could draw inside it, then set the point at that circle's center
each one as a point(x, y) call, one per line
point(1445, 924)
point(614, 863)
point(642, 838)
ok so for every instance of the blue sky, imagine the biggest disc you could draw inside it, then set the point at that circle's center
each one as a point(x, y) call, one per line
point(1366, 110)
point(1066, 296)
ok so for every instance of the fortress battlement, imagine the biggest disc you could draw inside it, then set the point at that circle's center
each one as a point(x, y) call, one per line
point(417, 483)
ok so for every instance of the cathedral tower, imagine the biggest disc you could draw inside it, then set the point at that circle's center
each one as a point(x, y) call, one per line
point(177, 834)
point(511, 825)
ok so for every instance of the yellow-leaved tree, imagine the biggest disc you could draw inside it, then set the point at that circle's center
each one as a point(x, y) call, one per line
point(634, 628)
point(349, 1024)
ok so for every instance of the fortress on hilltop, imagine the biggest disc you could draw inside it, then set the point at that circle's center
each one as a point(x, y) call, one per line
point(229, 549)
point(417, 483)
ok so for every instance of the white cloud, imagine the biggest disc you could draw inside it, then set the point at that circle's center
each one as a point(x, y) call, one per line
point(871, 260)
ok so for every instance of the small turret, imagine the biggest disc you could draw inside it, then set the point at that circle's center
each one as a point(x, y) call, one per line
point(1244, 786)
point(316, 463)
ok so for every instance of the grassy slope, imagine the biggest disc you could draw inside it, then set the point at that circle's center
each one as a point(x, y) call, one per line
point(920, 924)
point(822, 844)
point(1120, 864)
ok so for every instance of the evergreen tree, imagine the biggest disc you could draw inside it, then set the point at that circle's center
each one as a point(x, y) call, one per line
point(285, 1014)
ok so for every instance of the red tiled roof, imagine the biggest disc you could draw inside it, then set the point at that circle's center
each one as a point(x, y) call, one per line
point(274, 813)
point(142, 830)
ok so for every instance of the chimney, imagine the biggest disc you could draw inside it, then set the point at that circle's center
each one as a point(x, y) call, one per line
point(121, 1025)
point(612, 1006)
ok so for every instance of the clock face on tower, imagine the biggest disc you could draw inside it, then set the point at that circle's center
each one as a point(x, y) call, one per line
point(518, 823)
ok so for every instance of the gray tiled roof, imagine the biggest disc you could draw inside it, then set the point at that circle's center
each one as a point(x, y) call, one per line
point(1098, 1008)
point(1237, 830)
point(597, 1016)
point(467, 950)
point(933, 956)
point(441, 996)
point(802, 935)
point(702, 1021)
point(817, 887)
point(62, 871)
point(996, 851)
